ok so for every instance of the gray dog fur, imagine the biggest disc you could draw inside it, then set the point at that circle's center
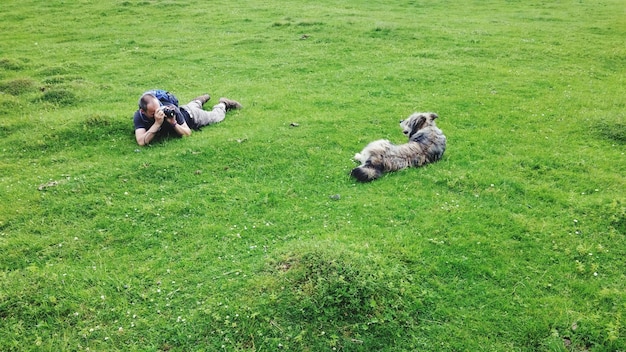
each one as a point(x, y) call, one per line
point(426, 145)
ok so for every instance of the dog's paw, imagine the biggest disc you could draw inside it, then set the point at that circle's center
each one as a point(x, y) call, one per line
point(357, 156)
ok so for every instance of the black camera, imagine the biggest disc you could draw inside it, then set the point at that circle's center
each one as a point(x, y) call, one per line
point(169, 113)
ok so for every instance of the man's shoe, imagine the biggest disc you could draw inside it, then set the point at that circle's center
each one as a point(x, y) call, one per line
point(203, 98)
point(230, 104)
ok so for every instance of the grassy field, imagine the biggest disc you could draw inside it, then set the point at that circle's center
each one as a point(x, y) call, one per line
point(250, 235)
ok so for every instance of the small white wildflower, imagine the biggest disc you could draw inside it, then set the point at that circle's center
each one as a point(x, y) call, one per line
point(595, 274)
point(120, 329)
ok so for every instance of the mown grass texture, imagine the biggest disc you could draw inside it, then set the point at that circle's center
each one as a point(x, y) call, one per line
point(249, 235)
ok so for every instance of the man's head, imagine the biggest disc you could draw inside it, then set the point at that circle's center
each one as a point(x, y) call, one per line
point(149, 104)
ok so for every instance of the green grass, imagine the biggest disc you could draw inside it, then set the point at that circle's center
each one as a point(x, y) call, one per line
point(251, 236)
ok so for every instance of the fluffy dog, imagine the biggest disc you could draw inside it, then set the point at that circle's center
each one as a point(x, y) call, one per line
point(426, 145)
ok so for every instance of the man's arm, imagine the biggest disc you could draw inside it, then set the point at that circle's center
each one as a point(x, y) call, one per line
point(143, 136)
point(182, 129)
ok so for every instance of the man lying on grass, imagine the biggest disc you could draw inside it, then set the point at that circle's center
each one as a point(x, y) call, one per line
point(159, 114)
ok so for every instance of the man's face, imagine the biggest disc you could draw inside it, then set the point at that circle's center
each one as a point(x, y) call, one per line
point(151, 108)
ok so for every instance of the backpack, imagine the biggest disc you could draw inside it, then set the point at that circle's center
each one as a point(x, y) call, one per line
point(165, 97)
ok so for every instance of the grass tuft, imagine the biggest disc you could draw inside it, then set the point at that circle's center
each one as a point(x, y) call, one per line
point(338, 294)
point(12, 64)
point(331, 285)
point(18, 86)
point(613, 129)
point(62, 97)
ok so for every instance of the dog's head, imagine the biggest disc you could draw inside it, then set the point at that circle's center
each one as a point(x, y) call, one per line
point(416, 122)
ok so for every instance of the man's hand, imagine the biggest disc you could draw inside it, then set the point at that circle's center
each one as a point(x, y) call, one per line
point(171, 120)
point(159, 115)
point(170, 115)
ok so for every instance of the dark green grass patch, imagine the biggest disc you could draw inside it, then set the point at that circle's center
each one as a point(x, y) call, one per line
point(13, 64)
point(61, 97)
point(18, 86)
point(327, 292)
point(613, 130)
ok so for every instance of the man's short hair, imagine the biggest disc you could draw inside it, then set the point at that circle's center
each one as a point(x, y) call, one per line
point(145, 100)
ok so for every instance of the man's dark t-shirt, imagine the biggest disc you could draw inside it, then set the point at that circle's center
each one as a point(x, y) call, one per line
point(142, 121)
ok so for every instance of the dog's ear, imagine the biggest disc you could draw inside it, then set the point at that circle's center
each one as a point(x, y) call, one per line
point(417, 124)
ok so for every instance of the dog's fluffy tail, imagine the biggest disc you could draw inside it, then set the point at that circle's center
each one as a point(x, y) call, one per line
point(366, 173)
